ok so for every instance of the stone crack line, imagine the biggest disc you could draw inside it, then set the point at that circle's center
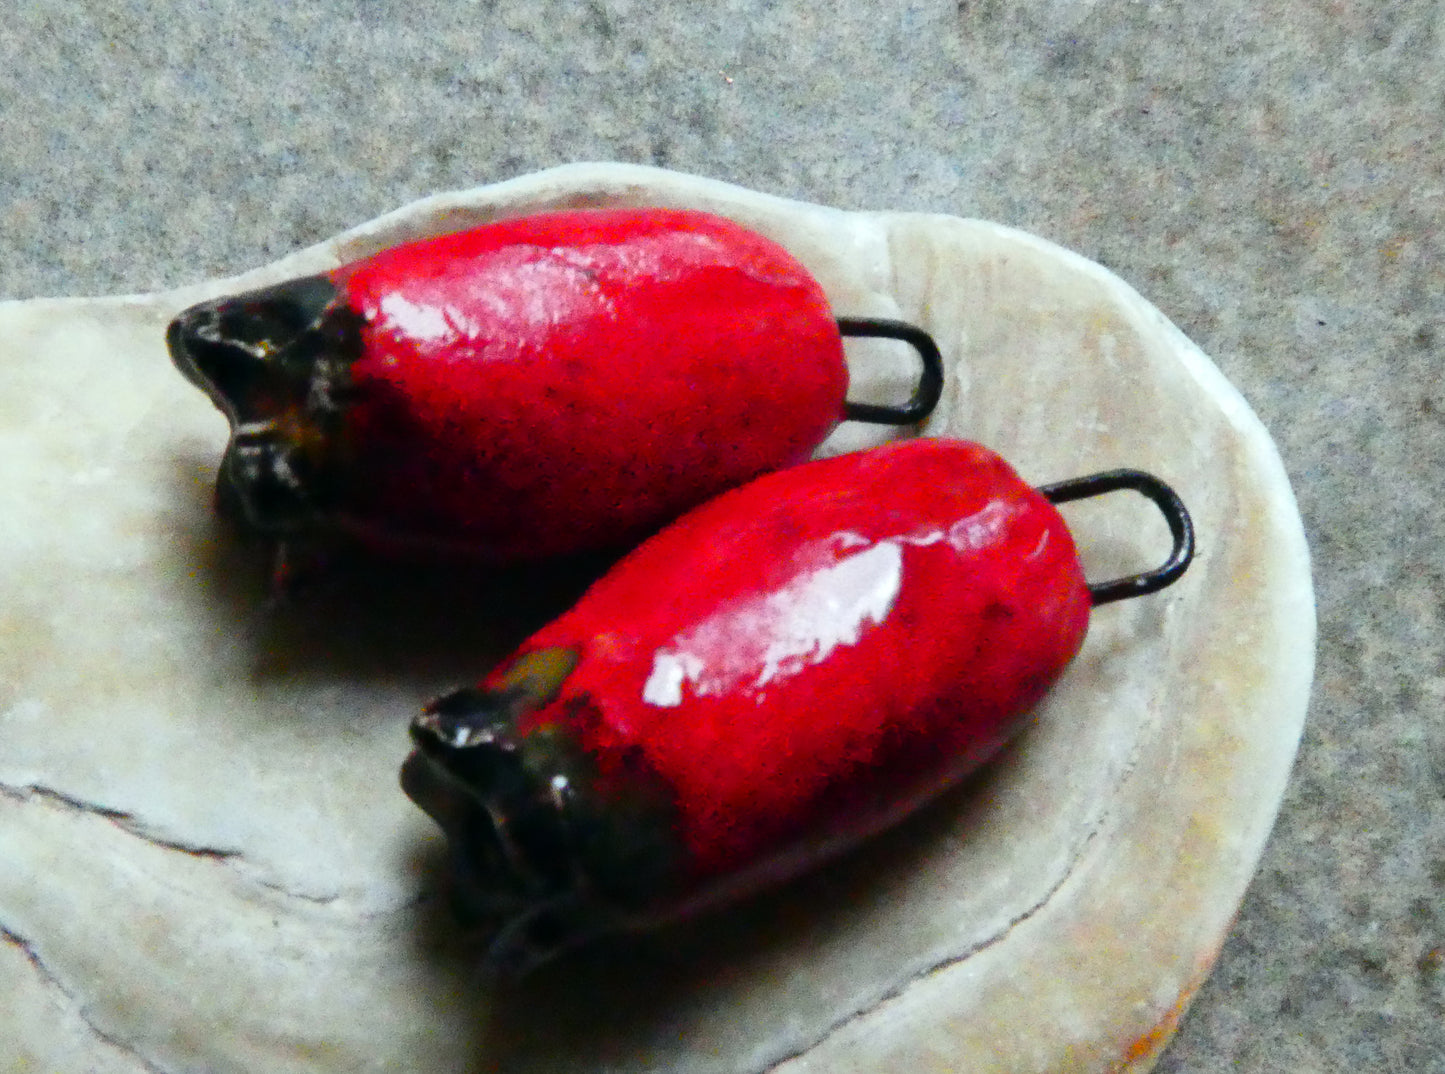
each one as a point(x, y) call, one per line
point(233, 859)
point(316, 900)
point(127, 822)
point(46, 974)
point(897, 989)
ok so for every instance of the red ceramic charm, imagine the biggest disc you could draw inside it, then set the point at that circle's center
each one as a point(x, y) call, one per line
point(523, 389)
point(780, 672)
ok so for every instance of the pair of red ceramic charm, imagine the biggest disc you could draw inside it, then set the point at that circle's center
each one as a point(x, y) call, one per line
point(805, 653)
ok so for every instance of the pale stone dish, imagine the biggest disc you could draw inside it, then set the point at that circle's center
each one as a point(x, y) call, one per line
point(206, 863)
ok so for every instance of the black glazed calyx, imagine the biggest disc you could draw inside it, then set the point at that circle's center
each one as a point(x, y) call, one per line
point(276, 362)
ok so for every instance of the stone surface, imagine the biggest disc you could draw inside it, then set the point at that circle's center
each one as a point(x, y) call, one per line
point(208, 784)
point(1269, 177)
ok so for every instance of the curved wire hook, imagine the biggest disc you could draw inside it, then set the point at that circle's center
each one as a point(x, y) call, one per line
point(930, 383)
point(1169, 504)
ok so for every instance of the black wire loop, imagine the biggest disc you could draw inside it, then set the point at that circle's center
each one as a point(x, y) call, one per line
point(1169, 504)
point(930, 383)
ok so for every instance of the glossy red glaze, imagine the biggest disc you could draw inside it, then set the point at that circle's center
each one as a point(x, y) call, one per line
point(806, 658)
point(571, 380)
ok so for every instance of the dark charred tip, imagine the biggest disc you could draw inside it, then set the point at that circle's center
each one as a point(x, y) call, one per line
point(465, 718)
point(508, 838)
point(240, 349)
point(540, 855)
point(474, 716)
point(487, 881)
point(257, 493)
point(277, 363)
point(429, 786)
point(267, 482)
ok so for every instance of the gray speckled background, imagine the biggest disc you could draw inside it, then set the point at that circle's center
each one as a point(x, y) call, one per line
point(1271, 180)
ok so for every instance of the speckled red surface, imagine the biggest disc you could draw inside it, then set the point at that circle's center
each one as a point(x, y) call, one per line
point(807, 653)
point(572, 380)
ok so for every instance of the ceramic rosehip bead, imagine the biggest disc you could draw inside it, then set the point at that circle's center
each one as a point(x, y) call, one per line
point(528, 388)
point(780, 673)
